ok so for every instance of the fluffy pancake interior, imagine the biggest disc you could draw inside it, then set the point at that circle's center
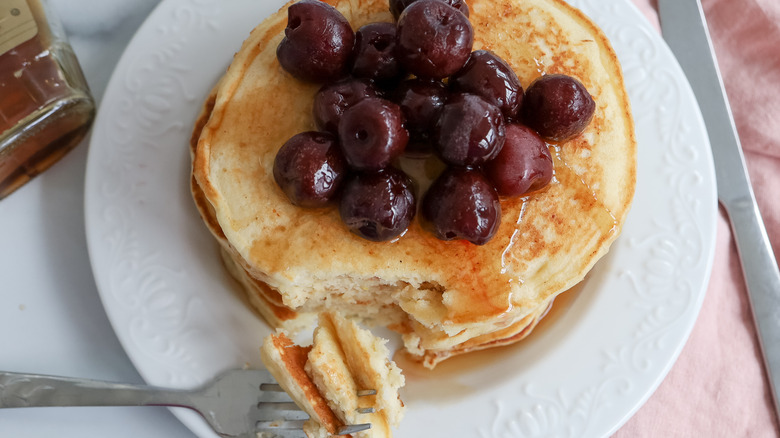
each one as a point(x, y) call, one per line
point(324, 379)
point(286, 362)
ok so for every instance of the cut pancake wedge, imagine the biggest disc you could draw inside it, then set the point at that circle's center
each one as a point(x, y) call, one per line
point(326, 378)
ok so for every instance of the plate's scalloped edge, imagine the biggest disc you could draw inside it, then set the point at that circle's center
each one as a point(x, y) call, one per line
point(155, 319)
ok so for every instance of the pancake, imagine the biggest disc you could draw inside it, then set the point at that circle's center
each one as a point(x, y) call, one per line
point(419, 339)
point(324, 379)
point(263, 299)
point(445, 297)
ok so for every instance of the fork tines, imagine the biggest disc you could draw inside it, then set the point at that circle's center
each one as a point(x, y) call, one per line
point(280, 417)
point(294, 428)
point(353, 428)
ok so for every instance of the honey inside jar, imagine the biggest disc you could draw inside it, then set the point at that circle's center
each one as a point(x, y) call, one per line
point(45, 104)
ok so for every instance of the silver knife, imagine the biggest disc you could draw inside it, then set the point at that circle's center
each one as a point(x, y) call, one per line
point(685, 30)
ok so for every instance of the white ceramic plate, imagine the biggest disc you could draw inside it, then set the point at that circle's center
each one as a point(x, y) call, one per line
point(588, 367)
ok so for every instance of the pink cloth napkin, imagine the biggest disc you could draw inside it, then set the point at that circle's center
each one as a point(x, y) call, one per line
point(718, 386)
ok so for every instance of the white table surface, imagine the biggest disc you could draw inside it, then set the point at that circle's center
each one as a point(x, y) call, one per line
point(51, 318)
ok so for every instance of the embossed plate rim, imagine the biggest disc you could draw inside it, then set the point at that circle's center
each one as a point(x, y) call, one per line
point(164, 292)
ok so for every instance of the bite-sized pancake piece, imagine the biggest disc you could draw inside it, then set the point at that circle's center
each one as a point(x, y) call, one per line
point(368, 359)
point(286, 362)
point(326, 378)
point(448, 292)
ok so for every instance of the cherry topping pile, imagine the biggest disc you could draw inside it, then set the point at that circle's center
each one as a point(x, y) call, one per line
point(415, 87)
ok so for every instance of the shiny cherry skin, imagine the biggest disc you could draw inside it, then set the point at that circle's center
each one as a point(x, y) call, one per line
point(462, 7)
point(421, 101)
point(372, 134)
point(378, 206)
point(374, 56)
point(434, 39)
point(558, 107)
point(524, 164)
point(398, 6)
point(309, 168)
point(317, 43)
point(487, 75)
point(469, 132)
point(462, 204)
point(333, 99)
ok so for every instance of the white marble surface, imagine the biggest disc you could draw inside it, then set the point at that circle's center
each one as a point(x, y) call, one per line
point(51, 318)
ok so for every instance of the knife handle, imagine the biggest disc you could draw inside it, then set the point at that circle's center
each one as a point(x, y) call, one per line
point(763, 283)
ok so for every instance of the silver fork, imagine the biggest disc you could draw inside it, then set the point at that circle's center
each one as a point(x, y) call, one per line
point(236, 404)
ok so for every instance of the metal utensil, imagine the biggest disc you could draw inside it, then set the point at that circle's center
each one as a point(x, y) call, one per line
point(233, 404)
point(685, 30)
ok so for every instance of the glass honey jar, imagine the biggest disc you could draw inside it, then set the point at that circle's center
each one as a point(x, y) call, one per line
point(45, 104)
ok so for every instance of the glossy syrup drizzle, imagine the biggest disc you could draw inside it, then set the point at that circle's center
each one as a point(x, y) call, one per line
point(604, 220)
point(513, 239)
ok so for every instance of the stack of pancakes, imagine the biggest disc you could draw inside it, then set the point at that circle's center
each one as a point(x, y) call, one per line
point(444, 297)
point(325, 379)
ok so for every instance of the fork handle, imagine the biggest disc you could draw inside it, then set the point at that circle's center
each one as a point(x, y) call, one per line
point(19, 390)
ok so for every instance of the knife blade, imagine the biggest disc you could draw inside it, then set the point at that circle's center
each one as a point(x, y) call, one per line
point(684, 28)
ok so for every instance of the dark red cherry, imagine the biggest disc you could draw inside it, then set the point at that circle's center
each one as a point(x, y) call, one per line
point(309, 168)
point(372, 134)
point(462, 7)
point(558, 107)
point(487, 75)
point(374, 56)
point(470, 131)
point(421, 100)
point(523, 165)
point(462, 204)
point(434, 39)
point(333, 99)
point(398, 6)
point(378, 206)
point(317, 42)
